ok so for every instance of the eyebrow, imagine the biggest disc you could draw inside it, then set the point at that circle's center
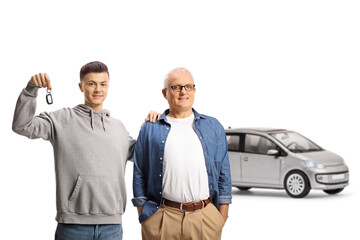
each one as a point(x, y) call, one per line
point(96, 82)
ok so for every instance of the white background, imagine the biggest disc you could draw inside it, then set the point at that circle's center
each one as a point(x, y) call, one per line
point(285, 64)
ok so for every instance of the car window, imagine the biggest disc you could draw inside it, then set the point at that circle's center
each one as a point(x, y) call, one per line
point(296, 142)
point(233, 142)
point(258, 144)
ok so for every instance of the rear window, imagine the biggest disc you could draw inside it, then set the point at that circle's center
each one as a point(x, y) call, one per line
point(233, 142)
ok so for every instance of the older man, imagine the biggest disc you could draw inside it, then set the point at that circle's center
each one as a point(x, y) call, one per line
point(182, 183)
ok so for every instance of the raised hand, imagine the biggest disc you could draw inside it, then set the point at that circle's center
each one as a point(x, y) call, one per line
point(41, 80)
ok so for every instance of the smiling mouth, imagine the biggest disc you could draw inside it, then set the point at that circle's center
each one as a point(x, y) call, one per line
point(97, 96)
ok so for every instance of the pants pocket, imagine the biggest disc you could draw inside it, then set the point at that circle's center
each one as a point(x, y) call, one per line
point(95, 195)
point(151, 227)
point(216, 212)
point(213, 222)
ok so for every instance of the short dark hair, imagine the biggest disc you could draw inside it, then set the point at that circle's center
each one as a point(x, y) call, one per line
point(96, 66)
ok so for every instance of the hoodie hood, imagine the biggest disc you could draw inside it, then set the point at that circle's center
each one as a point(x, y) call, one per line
point(84, 109)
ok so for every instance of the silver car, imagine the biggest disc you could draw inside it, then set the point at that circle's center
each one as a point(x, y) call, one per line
point(279, 158)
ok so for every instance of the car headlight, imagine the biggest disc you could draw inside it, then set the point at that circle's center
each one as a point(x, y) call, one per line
point(312, 164)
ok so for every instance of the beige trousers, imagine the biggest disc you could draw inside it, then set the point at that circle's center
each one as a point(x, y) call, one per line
point(175, 224)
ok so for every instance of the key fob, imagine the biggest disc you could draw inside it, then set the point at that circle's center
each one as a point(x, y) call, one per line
point(49, 98)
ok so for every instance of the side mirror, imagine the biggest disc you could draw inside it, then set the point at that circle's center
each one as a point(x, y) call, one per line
point(273, 152)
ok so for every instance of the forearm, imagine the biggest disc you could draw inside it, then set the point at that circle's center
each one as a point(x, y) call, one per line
point(25, 122)
point(139, 186)
point(139, 178)
point(25, 110)
point(224, 210)
point(224, 180)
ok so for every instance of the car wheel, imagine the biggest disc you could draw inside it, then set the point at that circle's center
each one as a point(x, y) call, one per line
point(297, 184)
point(333, 191)
point(243, 188)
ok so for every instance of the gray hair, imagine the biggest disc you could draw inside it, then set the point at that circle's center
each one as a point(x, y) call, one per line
point(174, 72)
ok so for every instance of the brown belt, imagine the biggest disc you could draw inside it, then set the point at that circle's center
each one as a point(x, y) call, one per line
point(187, 207)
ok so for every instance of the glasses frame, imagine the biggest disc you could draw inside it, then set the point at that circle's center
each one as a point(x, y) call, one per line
point(181, 87)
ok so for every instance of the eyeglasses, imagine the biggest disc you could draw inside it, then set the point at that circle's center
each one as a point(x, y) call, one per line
point(178, 88)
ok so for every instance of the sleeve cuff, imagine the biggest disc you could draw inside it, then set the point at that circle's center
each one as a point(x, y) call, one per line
point(31, 89)
point(138, 201)
point(225, 199)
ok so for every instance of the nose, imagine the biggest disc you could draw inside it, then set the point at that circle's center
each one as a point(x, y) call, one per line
point(182, 90)
point(97, 88)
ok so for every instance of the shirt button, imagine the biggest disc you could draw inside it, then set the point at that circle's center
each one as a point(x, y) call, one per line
point(162, 141)
point(161, 158)
point(160, 175)
point(160, 193)
point(200, 137)
point(167, 128)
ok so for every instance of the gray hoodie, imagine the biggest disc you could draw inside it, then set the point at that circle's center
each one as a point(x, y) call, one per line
point(90, 151)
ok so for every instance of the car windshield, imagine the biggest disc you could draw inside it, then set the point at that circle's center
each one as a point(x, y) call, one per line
point(295, 142)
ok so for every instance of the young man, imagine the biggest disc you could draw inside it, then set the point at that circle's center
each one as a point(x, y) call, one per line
point(182, 182)
point(90, 150)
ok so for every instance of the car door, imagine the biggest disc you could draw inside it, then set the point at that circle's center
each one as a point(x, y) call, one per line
point(234, 156)
point(256, 165)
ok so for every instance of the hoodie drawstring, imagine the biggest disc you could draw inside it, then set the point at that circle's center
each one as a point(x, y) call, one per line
point(92, 119)
point(88, 110)
point(103, 121)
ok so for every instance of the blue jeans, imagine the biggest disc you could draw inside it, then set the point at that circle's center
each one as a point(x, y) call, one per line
point(88, 232)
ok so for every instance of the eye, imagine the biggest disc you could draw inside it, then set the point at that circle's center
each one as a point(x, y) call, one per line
point(189, 87)
point(91, 84)
point(176, 87)
point(104, 84)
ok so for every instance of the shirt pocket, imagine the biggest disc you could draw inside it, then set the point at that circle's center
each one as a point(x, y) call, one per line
point(95, 195)
point(214, 145)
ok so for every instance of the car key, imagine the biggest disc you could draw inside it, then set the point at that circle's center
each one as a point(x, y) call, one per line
point(49, 98)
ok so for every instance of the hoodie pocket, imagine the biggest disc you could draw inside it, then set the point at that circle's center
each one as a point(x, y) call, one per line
point(95, 195)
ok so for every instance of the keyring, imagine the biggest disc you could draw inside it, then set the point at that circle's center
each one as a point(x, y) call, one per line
point(49, 98)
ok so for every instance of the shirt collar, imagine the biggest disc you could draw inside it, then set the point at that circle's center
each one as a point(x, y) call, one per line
point(167, 111)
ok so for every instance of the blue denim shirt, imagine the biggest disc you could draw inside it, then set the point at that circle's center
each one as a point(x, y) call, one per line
point(149, 155)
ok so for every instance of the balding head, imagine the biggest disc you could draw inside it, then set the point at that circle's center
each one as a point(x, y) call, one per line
point(179, 91)
point(173, 73)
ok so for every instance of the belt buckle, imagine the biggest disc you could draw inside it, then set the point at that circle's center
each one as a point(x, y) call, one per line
point(194, 204)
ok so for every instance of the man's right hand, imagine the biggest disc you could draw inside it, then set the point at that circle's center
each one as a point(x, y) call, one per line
point(41, 80)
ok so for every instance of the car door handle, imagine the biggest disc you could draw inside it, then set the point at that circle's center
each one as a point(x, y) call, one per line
point(245, 158)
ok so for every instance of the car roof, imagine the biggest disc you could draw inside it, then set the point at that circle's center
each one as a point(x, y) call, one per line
point(255, 130)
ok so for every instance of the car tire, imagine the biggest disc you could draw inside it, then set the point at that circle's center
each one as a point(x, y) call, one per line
point(333, 191)
point(297, 184)
point(243, 188)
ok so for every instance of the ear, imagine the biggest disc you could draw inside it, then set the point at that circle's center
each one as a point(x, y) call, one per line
point(80, 86)
point(164, 93)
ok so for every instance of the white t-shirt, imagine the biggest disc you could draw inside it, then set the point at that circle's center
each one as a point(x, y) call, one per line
point(185, 177)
